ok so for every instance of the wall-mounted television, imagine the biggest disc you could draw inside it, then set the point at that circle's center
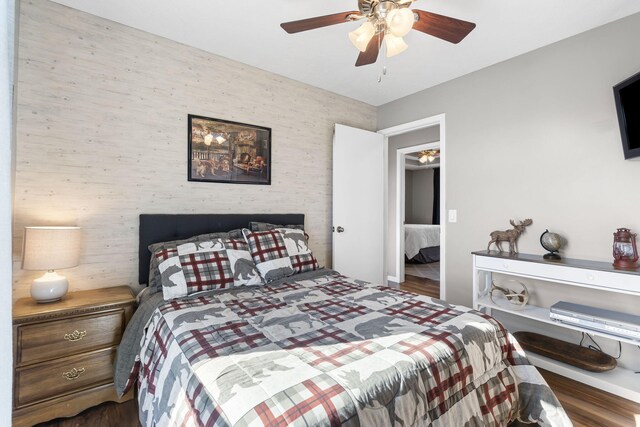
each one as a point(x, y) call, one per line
point(627, 95)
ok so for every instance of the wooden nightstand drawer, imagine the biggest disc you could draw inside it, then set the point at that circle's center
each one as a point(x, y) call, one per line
point(64, 353)
point(59, 338)
point(64, 376)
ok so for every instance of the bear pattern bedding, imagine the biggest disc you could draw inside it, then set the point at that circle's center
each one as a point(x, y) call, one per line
point(322, 349)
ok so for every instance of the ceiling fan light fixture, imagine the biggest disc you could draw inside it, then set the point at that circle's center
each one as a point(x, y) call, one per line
point(394, 45)
point(400, 21)
point(362, 36)
point(428, 156)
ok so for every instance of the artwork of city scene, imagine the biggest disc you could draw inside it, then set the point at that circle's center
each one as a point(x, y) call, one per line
point(223, 151)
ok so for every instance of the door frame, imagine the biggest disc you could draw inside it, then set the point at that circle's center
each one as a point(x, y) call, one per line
point(437, 120)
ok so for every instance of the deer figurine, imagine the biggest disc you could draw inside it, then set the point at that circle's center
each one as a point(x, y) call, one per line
point(510, 236)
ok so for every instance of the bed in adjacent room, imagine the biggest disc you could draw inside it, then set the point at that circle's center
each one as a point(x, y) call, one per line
point(286, 342)
point(422, 243)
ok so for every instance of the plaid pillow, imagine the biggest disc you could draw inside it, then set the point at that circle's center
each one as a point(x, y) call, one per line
point(244, 270)
point(269, 253)
point(265, 226)
point(305, 262)
point(301, 257)
point(155, 284)
point(194, 267)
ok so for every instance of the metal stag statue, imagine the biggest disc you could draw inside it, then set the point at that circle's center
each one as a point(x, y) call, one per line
point(510, 236)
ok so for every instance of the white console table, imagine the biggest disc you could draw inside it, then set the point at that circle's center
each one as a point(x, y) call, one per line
point(579, 273)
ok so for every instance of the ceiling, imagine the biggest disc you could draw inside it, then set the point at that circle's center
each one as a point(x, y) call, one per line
point(248, 31)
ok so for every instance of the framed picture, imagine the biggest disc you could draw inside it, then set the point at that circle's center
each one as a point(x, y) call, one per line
point(229, 152)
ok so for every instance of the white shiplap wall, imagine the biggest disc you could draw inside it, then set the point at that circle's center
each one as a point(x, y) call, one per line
point(7, 52)
point(102, 137)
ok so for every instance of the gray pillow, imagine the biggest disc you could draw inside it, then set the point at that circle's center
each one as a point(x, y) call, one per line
point(155, 283)
point(265, 226)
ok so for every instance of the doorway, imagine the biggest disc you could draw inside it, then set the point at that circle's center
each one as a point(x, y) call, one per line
point(402, 141)
point(419, 199)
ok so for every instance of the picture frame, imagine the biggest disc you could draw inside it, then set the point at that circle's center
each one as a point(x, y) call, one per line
point(228, 152)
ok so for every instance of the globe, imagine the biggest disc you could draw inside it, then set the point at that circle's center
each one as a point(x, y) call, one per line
point(552, 242)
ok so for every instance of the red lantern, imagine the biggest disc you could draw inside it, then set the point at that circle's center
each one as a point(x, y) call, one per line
point(625, 253)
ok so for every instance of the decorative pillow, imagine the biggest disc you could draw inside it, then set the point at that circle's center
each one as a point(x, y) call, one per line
point(299, 253)
point(243, 268)
point(194, 267)
point(155, 284)
point(269, 253)
point(265, 226)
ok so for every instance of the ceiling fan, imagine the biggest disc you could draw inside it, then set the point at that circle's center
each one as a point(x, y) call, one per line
point(387, 20)
point(428, 156)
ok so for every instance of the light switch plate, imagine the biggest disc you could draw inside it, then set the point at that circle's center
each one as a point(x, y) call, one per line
point(453, 215)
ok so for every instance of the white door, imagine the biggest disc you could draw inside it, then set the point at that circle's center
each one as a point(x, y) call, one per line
point(358, 204)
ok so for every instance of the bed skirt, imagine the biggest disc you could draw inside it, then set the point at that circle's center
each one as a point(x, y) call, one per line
point(425, 256)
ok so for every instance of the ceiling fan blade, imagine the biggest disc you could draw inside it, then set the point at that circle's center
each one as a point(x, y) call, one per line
point(445, 28)
point(370, 55)
point(317, 22)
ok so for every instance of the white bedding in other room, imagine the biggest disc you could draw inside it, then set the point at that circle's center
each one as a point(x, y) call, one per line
point(418, 236)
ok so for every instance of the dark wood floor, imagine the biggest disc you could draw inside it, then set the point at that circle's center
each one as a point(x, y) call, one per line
point(421, 286)
point(109, 414)
point(586, 406)
point(591, 407)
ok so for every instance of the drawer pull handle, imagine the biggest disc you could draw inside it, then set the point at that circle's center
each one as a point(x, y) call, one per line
point(75, 335)
point(73, 374)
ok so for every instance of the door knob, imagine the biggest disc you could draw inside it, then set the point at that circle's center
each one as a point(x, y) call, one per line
point(340, 229)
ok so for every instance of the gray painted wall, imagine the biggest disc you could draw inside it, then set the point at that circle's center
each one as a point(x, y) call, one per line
point(421, 196)
point(7, 41)
point(409, 139)
point(537, 136)
point(408, 196)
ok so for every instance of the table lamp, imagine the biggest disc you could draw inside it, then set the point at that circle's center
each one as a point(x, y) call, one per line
point(50, 248)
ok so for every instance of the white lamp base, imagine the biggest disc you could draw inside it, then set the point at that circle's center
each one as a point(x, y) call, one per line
point(49, 288)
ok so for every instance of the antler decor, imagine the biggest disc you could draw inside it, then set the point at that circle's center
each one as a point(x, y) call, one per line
point(518, 299)
point(511, 236)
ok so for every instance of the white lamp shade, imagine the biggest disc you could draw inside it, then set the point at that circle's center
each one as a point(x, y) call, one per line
point(362, 36)
point(400, 21)
point(395, 45)
point(51, 248)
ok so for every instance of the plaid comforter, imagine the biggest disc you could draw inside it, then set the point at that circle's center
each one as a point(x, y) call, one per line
point(333, 351)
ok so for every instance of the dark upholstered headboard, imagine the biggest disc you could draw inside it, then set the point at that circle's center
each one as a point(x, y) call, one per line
point(156, 228)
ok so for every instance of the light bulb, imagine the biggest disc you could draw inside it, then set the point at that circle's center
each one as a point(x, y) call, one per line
point(400, 21)
point(395, 45)
point(208, 139)
point(220, 139)
point(362, 36)
point(423, 159)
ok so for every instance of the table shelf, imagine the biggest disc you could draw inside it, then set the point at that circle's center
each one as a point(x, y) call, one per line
point(576, 273)
point(542, 314)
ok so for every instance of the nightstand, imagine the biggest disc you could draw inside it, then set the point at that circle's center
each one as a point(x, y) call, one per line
point(64, 353)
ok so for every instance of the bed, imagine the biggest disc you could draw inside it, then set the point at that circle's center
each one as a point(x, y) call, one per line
point(319, 348)
point(422, 243)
